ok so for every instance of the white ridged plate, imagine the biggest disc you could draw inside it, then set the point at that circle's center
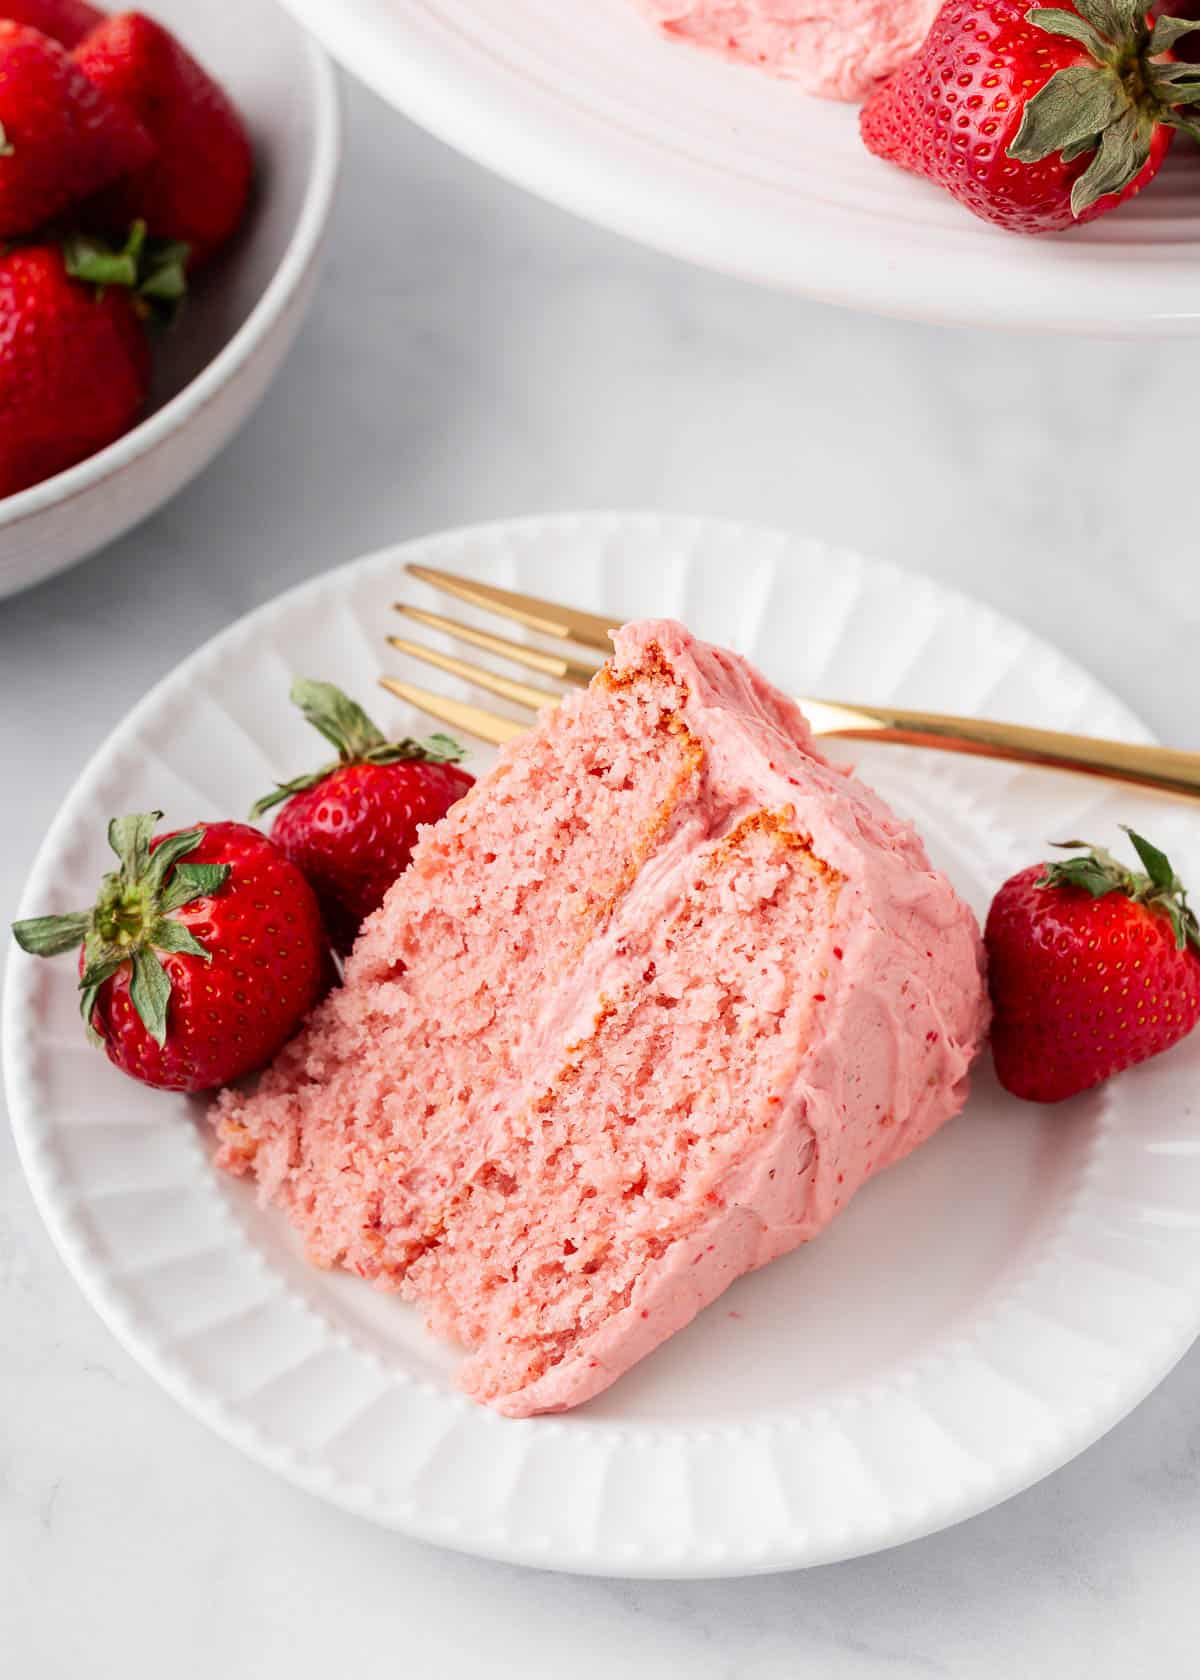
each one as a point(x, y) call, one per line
point(980, 1314)
point(716, 162)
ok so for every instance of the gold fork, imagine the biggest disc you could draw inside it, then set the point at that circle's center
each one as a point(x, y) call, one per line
point(582, 633)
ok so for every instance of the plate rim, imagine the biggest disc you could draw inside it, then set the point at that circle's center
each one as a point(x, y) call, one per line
point(502, 129)
point(201, 1399)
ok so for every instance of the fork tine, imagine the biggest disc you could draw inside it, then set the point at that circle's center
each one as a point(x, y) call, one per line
point(546, 617)
point(521, 694)
point(469, 720)
point(557, 665)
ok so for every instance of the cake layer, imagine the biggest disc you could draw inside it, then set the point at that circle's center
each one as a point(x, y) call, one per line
point(701, 1007)
point(649, 1006)
point(367, 1120)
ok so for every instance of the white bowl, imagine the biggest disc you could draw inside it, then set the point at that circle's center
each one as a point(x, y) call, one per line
point(244, 313)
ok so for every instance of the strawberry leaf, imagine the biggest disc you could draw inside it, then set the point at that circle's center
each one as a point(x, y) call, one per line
point(341, 720)
point(168, 853)
point(95, 261)
point(156, 269)
point(101, 960)
point(89, 996)
point(446, 747)
point(1173, 84)
point(130, 838)
point(1156, 864)
point(150, 992)
point(1115, 19)
point(1057, 22)
point(1075, 105)
point(438, 749)
point(1097, 872)
point(171, 936)
point(287, 790)
point(191, 881)
point(50, 936)
point(1168, 30)
point(1087, 873)
point(1123, 151)
point(347, 727)
point(164, 271)
point(1187, 125)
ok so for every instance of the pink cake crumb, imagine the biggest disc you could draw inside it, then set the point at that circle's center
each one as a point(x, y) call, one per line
point(650, 1004)
point(842, 49)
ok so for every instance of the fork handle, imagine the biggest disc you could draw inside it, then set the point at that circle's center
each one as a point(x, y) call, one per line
point(1148, 766)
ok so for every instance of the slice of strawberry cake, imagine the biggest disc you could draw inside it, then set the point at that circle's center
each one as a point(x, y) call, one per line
point(650, 1004)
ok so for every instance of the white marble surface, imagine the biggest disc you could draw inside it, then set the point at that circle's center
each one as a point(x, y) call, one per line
point(474, 353)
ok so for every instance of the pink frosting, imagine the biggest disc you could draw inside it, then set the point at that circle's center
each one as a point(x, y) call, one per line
point(841, 49)
point(902, 1014)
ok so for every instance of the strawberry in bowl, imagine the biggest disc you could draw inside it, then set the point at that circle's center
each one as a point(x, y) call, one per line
point(247, 299)
point(75, 357)
point(67, 21)
point(194, 187)
point(63, 137)
point(126, 135)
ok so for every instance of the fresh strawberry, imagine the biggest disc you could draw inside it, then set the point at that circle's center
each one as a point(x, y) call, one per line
point(61, 137)
point(1093, 967)
point(197, 186)
point(67, 21)
point(74, 358)
point(1035, 117)
point(351, 826)
point(74, 366)
point(202, 954)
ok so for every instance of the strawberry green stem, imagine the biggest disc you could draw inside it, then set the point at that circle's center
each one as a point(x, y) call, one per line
point(1155, 885)
point(132, 920)
point(1111, 104)
point(154, 269)
point(355, 738)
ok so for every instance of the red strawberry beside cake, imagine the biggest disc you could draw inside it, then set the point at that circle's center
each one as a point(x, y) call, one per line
point(648, 1007)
